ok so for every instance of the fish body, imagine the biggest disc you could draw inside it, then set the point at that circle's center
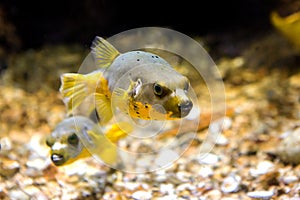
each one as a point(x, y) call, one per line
point(69, 139)
point(141, 84)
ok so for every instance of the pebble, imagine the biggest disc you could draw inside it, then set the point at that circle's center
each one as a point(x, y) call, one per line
point(6, 144)
point(141, 195)
point(205, 171)
point(214, 194)
point(289, 179)
point(260, 194)
point(183, 176)
point(145, 161)
point(166, 157)
point(167, 197)
point(289, 148)
point(160, 176)
point(262, 168)
point(222, 140)
point(220, 125)
point(231, 184)
point(18, 195)
point(185, 186)
point(8, 167)
point(167, 189)
point(294, 81)
point(208, 158)
point(131, 185)
point(33, 191)
point(38, 146)
point(38, 163)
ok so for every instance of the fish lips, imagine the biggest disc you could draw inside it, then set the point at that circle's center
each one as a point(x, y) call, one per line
point(184, 109)
point(58, 159)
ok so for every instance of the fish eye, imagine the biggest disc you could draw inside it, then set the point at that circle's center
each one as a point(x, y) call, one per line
point(158, 90)
point(73, 139)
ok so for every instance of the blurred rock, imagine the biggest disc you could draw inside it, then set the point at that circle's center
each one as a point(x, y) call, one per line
point(8, 168)
point(231, 184)
point(289, 148)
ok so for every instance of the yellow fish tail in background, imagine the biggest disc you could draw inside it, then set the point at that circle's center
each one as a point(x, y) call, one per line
point(289, 26)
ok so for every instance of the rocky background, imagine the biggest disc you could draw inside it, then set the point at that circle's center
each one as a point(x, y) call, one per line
point(257, 155)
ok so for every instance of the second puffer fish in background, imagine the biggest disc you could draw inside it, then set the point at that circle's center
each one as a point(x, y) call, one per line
point(68, 140)
point(141, 84)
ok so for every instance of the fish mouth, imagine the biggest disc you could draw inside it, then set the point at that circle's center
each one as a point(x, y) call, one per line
point(58, 159)
point(185, 108)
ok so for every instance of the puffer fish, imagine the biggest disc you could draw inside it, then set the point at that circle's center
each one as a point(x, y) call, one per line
point(141, 84)
point(68, 138)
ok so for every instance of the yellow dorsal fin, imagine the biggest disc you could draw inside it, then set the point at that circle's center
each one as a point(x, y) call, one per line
point(103, 52)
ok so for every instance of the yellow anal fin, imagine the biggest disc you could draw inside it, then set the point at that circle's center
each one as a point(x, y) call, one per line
point(76, 87)
point(104, 53)
point(118, 131)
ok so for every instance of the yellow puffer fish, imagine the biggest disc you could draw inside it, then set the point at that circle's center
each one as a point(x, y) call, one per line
point(289, 26)
point(67, 146)
point(141, 84)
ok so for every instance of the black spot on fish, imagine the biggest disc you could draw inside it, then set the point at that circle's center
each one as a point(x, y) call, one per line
point(137, 113)
point(146, 106)
point(137, 52)
point(135, 107)
point(156, 56)
point(137, 59)
point(152, 56)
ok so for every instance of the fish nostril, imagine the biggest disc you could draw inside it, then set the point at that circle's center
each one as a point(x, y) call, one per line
point(185, 108)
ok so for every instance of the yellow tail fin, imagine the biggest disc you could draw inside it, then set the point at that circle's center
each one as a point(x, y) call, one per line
point(76, 87)
point(104, 53)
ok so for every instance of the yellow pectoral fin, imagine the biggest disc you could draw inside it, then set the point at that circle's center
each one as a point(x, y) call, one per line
point(102, 148)
point(104, 53)
point(109, 154)
point(83, 154)
point(103, 107)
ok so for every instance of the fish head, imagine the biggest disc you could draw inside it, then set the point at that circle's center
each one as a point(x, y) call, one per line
point(65, 146)
point(163, 98)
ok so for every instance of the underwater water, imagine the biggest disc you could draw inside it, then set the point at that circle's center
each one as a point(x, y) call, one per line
point(256, 154)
